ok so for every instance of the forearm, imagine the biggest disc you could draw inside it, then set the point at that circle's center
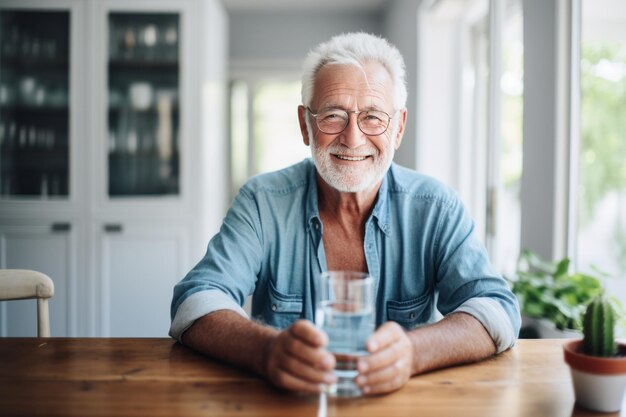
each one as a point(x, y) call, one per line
point(227, 336)
point(458, 338)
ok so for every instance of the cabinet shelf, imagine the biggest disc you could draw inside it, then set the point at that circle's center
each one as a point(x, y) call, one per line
point(144, 64)
point(150, 111)
point(36, 110)
point(36, 64)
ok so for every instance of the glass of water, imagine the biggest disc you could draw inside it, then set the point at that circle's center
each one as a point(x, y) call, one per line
point(345, 311)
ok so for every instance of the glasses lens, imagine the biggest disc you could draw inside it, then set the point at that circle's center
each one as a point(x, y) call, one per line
point(373, 122)
point(332, 120)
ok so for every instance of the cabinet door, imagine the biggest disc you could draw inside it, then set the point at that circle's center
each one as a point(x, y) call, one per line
point(51, 249)
point(143, 104)
point(37, 91)
point(139, 266)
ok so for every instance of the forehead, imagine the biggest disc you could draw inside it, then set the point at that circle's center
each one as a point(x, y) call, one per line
point(351, 86)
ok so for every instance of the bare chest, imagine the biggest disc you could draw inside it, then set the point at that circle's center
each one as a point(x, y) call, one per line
point(344, 249)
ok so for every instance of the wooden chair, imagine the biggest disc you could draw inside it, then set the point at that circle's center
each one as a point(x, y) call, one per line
point(21, 284)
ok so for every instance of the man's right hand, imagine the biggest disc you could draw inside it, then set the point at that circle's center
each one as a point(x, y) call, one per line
point(296, 358)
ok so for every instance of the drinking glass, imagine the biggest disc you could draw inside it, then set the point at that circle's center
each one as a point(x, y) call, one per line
point(345, 311)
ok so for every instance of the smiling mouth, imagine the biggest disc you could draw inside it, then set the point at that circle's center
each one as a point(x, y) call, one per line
point(351, 158)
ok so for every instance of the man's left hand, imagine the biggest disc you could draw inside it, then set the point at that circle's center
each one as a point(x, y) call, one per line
point(390, 362)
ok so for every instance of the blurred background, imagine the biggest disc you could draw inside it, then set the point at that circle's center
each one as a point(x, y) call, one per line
point(126, 128)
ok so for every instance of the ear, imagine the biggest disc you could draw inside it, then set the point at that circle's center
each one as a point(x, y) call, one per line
point(401, 126)
point(303, 129)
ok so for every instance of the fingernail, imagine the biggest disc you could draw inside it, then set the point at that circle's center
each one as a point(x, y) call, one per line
point(327, 362)
point(362, 366)
point(366, 390)
point(373, 346)
point(360, 380)
point(330, 378)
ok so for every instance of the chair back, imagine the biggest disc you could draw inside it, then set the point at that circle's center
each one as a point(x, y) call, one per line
point(22, 284)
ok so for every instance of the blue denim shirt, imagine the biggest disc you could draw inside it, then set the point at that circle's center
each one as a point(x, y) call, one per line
point(419, 247)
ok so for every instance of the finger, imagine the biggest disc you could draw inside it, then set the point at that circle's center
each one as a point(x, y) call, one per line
point(313, 356)
point(290, 382)
point(306, 372)
point(382, 359)
point(308, 333)
point(385, 335)
point(385, 374)
point(386, 386)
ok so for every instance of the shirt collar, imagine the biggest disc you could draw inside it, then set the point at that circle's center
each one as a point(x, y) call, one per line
point(312, 210)
point(381, 208)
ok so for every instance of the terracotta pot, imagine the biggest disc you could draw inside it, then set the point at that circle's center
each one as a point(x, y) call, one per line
point(599, 383)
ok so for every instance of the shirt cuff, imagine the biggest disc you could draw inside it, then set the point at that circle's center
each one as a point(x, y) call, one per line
point(198, 305)
point(494, 319)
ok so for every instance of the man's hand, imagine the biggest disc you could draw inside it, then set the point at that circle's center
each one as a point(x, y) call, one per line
point(390, 363)
point(296, 358)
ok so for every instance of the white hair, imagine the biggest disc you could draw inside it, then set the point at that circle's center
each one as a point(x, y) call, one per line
point(355, 49)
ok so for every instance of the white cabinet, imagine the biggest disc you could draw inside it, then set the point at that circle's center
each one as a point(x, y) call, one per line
point(111, 117)
point(138, 265)
point(52, 249)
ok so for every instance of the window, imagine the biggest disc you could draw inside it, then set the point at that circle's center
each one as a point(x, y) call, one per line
point(265, 133)
point(601, 230)
point(483, 41)
point(475, 52)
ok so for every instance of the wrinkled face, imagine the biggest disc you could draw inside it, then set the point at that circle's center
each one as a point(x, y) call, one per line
point(352, 161)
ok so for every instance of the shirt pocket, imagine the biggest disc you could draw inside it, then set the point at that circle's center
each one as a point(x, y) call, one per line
point(283, 309)
point(409, 313)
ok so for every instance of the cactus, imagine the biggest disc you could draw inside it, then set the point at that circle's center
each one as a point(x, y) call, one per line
point(598, 326)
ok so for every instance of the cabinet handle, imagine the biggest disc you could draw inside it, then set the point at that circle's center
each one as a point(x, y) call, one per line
point(113, 228)
point(61, 227)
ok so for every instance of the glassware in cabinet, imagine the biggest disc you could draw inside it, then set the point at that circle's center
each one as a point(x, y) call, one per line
point(34, 103)
point(143, 104)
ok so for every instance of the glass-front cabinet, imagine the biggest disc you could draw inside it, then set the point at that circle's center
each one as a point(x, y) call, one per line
point(34, 103)
point(98, 100)
point(143, 74)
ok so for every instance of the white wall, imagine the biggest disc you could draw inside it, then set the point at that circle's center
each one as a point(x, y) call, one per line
point(213, 132)
point(270, 38)
point(541, 192)
point(400, 27)
point(438, 98)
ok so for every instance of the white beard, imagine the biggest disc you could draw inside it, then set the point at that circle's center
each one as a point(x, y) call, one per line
point(351, 179)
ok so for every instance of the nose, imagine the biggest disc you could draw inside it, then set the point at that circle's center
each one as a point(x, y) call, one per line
point(352, 137)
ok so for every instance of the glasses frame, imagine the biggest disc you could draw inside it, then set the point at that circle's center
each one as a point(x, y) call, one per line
point(358, 113)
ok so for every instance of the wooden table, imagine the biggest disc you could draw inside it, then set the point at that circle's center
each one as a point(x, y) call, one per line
point(158, 377)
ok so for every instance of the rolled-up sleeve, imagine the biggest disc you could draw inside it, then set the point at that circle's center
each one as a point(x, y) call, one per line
point(466, 281)
point(200, 304)
point(493, 318)
point(226, 275)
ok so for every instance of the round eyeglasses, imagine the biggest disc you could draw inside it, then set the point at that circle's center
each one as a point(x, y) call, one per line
point(333, 121)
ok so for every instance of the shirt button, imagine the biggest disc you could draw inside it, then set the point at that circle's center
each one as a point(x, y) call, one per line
point(412, 315)
point(274, 308)
point(317, 226)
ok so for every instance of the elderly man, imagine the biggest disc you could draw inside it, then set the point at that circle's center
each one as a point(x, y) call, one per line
point(350, 208)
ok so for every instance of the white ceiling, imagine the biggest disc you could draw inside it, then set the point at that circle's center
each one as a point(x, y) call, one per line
point(298, 5)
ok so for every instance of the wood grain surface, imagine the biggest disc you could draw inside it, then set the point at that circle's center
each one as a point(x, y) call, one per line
point(158, 377)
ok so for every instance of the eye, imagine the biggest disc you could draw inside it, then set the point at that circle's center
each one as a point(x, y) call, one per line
point(332, 115)
point(374, 117)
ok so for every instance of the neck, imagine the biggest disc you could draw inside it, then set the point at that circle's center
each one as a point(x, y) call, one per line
point(345, 207)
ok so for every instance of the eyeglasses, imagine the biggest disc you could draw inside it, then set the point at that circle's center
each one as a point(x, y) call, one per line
point(334, 121)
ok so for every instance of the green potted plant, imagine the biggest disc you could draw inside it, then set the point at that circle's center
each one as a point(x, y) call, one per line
point(551, 298)
point(597, 362)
